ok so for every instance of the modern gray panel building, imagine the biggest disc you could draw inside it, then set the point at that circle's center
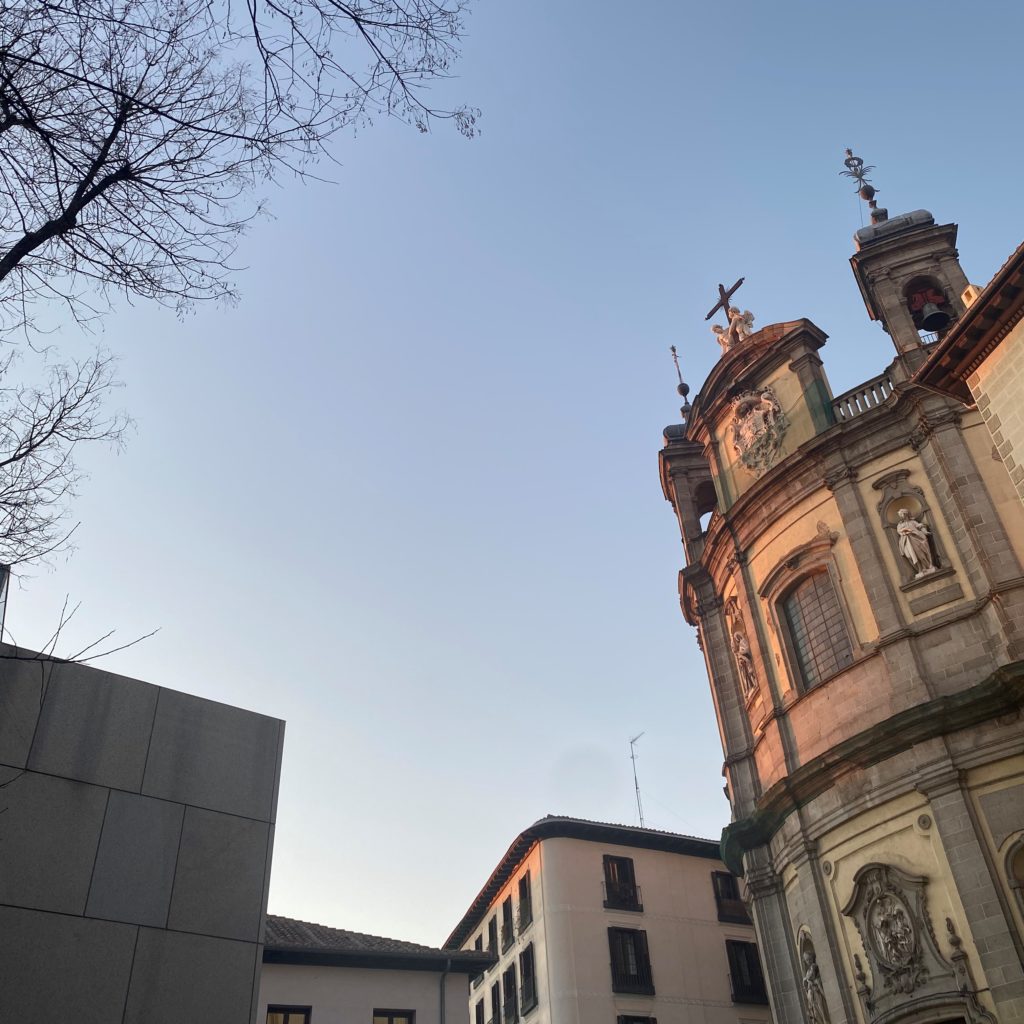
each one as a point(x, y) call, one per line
point(136, 830)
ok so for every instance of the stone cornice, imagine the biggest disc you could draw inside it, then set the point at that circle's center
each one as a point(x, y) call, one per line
point(1001, 692)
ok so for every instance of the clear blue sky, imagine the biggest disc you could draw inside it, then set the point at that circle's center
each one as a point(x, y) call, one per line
point(405, 496)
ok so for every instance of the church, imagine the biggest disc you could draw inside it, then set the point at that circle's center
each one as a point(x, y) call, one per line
point(854, 573)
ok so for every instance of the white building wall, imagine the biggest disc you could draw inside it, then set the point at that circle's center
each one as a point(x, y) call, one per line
point(349, 995)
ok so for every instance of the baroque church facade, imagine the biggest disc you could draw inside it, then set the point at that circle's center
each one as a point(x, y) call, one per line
point(855, 571)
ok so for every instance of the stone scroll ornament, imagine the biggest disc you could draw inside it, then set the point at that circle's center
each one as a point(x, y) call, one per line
point(757, 428)
point(890, 912)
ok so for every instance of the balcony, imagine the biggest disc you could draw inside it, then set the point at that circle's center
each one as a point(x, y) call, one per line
point(638, 981)
point(525, 914)
point(860, 399)
point(623, 896)
point(508, 936)
point(733, 911)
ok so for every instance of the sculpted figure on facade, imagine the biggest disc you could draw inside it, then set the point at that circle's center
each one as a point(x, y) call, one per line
point(739, 329)
point(744, 662)
point(915, 545)
point(814, 993)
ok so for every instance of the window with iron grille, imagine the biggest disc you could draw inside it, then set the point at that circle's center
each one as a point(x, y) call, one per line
point(817, 630)
point(525, 901)
point(527, 979)
point(289, 1014)
point(631, 963)
point(510, 996)
point(508, 932)
point(727, 897)
point(745, 972)
point(495, 1004)
point(479, 947)
point(620, 889)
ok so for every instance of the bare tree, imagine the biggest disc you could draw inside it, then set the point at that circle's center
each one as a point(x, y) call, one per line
point(132, 132)
point(40, 430)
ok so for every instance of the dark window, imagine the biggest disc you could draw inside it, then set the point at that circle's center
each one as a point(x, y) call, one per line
point(528, 979)
point(631, 964)
point(820, 642)
point(508, 932)
point(495, 1004)
point(727, 896)
point(394, 1017)
point(492, 935)
point(479, 947)
point(289, 1014)
point(525, 901)
point(620, 889)
point(745, 972)
point(632, 1019)
point(510, 1002)
point(478, 1013)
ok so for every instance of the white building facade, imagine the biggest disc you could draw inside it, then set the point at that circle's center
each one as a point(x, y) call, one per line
point(609, 924)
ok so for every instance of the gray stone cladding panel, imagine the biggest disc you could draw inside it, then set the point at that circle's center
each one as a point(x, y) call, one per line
point(20, 685)
point(212, 755)
point(94, 727)
point(59, 969)
point(221, 876)
point(1004, 810)
point(49, 833)
point(179, 978)
point(135, 865)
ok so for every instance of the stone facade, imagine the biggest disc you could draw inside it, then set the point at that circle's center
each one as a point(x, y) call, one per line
point(136, 829)
point(874, 767)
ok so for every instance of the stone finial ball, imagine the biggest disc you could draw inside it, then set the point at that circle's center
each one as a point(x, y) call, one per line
point(867, 192)
point(683, 389)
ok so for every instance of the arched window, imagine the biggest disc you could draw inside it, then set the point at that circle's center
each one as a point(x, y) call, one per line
point(820, 644)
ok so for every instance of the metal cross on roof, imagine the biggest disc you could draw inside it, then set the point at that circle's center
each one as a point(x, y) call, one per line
point(723, 300)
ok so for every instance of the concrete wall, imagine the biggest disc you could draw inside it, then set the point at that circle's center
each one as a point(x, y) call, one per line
point(349, 995)
point(136, 830)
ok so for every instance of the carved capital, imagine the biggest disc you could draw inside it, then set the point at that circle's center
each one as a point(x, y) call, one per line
point(840, 475)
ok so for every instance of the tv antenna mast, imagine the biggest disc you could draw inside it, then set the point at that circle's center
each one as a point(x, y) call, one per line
point(636, 784)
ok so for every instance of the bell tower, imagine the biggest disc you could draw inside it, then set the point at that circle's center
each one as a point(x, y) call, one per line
point(854, 567)
point(908, 270)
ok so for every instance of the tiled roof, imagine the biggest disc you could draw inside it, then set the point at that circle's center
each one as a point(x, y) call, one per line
point(287, 940)
point(555, 826)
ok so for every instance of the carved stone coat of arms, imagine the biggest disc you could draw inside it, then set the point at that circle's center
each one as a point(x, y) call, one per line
point(757, 428)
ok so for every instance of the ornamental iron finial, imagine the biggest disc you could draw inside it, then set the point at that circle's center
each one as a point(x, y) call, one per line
point(856, 169)
point(683, 388)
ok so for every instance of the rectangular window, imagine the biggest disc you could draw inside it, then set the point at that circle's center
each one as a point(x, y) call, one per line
point(620, 889)
point(510, 996)
point(727, 897)
point(289, 1014)
point(492, 936)
point(525, 901)
point(817, 630)
point(394, 1017)
point(479, 947)
point(478, 1013)
point(508, 932)
point(495, 1004)
point(528, 980)
point(631, 963)
point(745, 972)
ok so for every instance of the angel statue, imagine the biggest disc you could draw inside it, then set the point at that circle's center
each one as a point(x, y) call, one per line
point(740, 325)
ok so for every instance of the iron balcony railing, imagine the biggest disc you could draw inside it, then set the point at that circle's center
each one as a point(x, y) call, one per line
point(622, 896)
point(639, 981)
point(732, 910)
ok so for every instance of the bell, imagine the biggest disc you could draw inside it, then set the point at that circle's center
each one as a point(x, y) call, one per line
point(933, 318)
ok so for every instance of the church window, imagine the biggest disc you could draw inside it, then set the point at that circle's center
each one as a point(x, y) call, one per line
point(1015, 869)
point(821, 645)
point(289, 1014)
point(745, 972)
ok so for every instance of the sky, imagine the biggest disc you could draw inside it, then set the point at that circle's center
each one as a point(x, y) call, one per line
point(405, 494)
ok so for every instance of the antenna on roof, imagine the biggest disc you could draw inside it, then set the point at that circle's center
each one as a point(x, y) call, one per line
point(636, 784)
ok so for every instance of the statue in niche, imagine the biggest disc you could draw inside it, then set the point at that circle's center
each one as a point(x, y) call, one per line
point(915, 544)
point(740, 326)
point(744, 662)
point(814, 993)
